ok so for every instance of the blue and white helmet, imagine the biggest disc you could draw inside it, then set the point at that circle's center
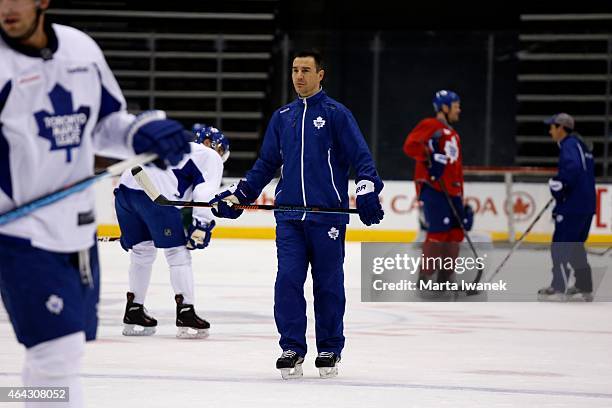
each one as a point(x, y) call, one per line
point(217, 140)
point(444, 97)
point(201, 132)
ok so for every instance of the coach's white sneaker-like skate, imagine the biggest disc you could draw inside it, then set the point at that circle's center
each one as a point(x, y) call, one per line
point(549, 294)
point(578, 295)
point(290, 365)
point(136, 321)
point(327, 363)
point(190, 325)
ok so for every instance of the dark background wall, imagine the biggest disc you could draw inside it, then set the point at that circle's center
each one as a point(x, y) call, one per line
point(410, 73)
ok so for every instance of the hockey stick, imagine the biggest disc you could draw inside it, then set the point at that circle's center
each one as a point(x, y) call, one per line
point(479, 272)
point(591, 252)
point(518, 242)
point(149, 188)
point(108, 239)
point(114, 170)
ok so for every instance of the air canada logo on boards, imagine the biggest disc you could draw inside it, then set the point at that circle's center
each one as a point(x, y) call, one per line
point(523, 206)
point(64, 126)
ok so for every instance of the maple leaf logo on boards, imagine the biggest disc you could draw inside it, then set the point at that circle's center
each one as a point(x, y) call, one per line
point(520, 207)
point(64, 126)
point(523, 206)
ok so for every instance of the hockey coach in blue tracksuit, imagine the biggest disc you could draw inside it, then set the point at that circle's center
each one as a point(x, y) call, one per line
point(573, 189)
point(313, 140)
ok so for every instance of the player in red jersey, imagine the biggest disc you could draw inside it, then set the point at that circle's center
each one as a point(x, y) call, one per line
point(436, 147)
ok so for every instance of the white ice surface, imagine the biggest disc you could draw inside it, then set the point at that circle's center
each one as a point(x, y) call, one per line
point(396, 355)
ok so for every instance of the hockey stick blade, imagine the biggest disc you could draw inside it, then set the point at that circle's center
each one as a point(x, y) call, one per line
point(145, 182)
point(597, 253)
point(162, 200)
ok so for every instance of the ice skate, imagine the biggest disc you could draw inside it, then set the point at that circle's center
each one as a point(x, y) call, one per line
point(190, 325)
point(422, 284)
point(290, 365)
point(574, 294)
point(550, 294)
point(433, 288)
point(136, 321)
point(448, 278)
point(327, 363)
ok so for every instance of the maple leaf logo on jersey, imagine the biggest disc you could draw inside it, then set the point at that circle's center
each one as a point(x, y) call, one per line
point(451, 149)
point(64, 126)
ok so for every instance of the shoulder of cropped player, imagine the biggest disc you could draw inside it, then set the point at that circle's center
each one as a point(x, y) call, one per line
point(76, 44)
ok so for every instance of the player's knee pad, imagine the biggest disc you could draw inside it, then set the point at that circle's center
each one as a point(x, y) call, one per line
point(57, 358)
point(177, 256)
point(144, 253)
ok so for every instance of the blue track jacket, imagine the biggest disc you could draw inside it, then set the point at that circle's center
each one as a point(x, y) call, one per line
point(576, 172)
point(313, 140)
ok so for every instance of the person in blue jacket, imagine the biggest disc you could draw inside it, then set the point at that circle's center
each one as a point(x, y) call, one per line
point(313, 141)
point(573, 189)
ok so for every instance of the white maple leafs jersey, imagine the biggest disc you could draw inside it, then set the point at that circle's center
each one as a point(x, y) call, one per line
point(196, 178)
point(55, 113)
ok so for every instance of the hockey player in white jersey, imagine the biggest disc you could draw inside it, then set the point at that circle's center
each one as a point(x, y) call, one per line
point(59, 105)
point(146, 226)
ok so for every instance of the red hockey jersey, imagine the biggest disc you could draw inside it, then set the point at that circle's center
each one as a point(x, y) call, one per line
point(416, 146)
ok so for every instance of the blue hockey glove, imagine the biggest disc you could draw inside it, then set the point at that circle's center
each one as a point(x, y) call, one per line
point(368, 204)
point(557, 189)
point(239, 193)
point(224, 210)
point(468, 217)
point(152, 132)
point(199, 234)
point(437, 158)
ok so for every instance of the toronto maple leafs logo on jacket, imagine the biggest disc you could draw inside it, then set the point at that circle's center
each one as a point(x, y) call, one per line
point(64, 126)
point(319, 122)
